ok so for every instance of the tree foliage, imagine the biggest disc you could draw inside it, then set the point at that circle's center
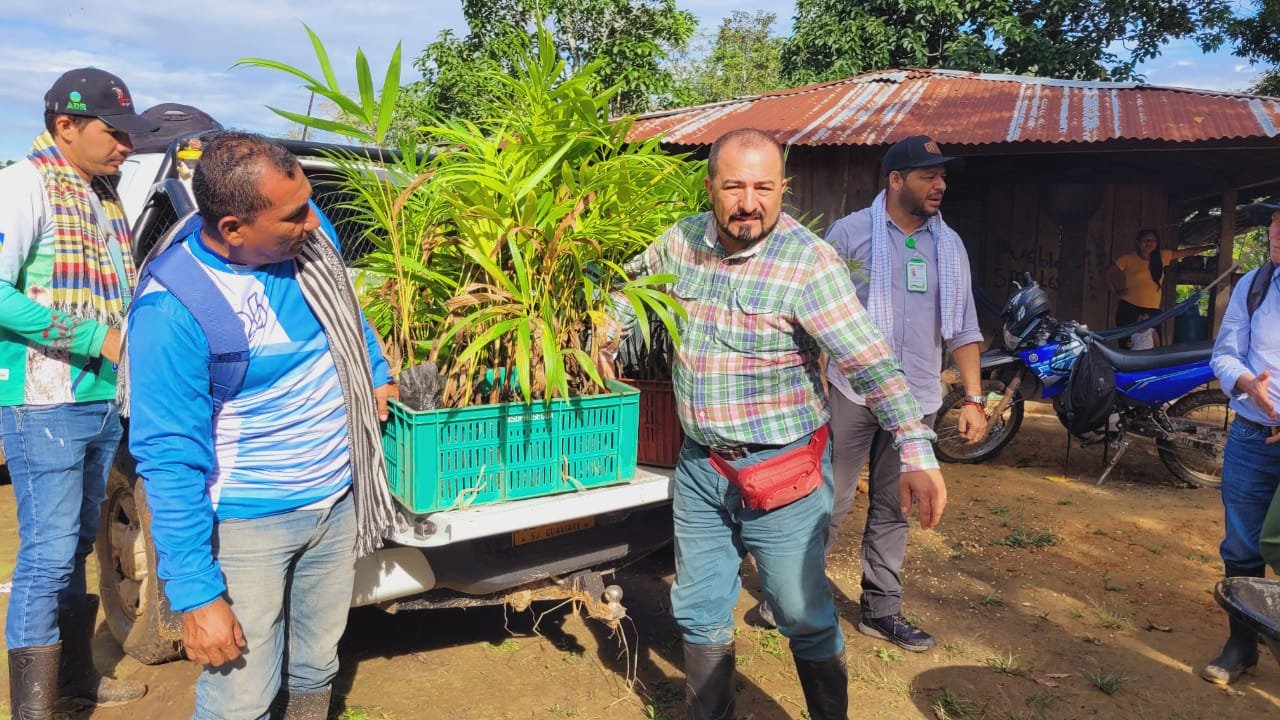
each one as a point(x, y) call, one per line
point(1257, 39)
point(1099, 39)
point(626, 40)
point(745, 60)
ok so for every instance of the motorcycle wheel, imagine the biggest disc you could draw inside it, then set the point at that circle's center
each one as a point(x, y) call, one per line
point(1206, 415)
point(952, 448)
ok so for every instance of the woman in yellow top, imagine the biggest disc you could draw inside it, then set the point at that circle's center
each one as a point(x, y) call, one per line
point(1138, 277)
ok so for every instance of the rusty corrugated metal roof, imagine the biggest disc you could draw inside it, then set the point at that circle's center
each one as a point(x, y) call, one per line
point(966, 108)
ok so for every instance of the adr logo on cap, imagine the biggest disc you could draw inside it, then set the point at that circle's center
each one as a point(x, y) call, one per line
point(74, 101)
point(932, 147)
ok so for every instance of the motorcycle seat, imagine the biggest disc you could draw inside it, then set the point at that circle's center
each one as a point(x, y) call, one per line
point(1161, 357)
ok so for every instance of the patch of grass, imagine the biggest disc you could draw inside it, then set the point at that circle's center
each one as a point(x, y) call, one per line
point(1157, 548)
point(509, 645)
point(1099, 531)
point(885, 654)
point(1108, 585)
point(1006, 664)
point(559, 710)
point(666, 696)
point(999, 510)
point(1198, 506)
point(1021, 537)
point(1108, 681)
point(955, 647)
point(1041, 701)
point(1065, 501)
point(1077, 612)
point(913, 618)
point(991, 599)
point(771, 642)
point(652, 712)
point(952, 706)
point(351, 713)
point(880, 677)
point(1110, 618)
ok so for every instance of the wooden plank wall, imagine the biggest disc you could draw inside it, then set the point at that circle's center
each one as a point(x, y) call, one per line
point(1007, 230)
point(828, 183)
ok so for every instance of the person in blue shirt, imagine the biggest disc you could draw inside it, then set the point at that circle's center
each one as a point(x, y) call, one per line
point(1245, 355)
point(256, 497)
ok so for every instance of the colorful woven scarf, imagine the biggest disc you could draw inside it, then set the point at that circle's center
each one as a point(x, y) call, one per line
point(84, 283)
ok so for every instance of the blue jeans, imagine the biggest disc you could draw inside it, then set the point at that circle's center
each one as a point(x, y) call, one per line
point(59, 457)
point(713, 530)
point(289, 580)
point(1250, 475)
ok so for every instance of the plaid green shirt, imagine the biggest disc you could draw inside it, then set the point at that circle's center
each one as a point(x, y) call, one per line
point(747, 367)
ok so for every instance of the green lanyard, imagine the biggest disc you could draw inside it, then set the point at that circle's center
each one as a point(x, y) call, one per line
point(917, 270)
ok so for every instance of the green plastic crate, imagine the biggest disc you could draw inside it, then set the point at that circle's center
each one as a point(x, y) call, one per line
point(442, 459)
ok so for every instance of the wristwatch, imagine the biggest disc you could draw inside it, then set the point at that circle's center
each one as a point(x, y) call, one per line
point(979, 400)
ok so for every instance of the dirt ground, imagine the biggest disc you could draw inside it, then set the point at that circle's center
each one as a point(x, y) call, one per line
point(1050, 598)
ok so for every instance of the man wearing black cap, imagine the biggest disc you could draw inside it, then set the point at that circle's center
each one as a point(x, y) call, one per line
point(916, 286)
point(66, 278)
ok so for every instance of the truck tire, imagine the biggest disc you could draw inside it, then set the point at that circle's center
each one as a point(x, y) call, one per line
point(136, 612)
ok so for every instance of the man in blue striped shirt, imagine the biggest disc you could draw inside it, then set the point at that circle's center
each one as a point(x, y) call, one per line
point(252, 511)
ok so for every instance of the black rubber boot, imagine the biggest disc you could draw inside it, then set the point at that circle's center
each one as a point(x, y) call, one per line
point(826, 687)
point(33, 681)
point(295, 705)
point(79, 682)
point(1240, 654)
point(708, 673)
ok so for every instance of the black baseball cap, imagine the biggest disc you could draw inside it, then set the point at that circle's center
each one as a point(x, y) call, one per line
point(90, 92)
point(916, 151)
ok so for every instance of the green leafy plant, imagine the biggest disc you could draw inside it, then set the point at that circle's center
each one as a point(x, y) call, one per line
point(366, 117)
point(500, 255)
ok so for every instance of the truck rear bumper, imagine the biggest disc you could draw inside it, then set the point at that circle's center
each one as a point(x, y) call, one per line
point(481, 553)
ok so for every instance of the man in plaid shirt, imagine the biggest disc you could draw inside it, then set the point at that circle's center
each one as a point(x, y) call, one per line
point(764, 298)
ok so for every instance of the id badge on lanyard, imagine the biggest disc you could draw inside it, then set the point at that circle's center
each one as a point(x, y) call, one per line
point(917, 275)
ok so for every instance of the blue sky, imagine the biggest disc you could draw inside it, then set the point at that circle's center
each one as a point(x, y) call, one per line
point(182, 51)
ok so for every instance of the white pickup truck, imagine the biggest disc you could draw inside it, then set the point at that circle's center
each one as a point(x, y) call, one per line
point(516, 552)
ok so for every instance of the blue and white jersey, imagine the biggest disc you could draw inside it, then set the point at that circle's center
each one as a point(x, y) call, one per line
point(278, 444)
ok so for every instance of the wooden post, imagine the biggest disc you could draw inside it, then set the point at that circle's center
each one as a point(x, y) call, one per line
point(1226, 248)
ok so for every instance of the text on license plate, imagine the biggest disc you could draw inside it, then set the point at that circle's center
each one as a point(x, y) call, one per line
point(546, 532)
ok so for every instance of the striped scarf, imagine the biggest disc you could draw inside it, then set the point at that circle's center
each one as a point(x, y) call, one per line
point(84, 283)
point(328, 292)
point(951, 283)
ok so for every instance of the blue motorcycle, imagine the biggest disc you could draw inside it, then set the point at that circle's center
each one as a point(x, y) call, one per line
point(1156, 392)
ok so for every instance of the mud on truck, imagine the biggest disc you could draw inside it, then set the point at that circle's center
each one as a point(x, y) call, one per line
point(515, 552)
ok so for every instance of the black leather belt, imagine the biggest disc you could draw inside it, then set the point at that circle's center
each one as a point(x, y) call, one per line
point(1268, 429)
point(737, 452)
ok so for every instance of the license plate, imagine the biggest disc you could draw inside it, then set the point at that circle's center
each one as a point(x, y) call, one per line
point(546, 532)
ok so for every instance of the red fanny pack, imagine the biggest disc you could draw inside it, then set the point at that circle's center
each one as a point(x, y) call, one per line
point(779, 480)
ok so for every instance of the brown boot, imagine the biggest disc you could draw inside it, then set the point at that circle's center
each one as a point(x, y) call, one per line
point(295, 705)
point(33, 678)
point(79, 682)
